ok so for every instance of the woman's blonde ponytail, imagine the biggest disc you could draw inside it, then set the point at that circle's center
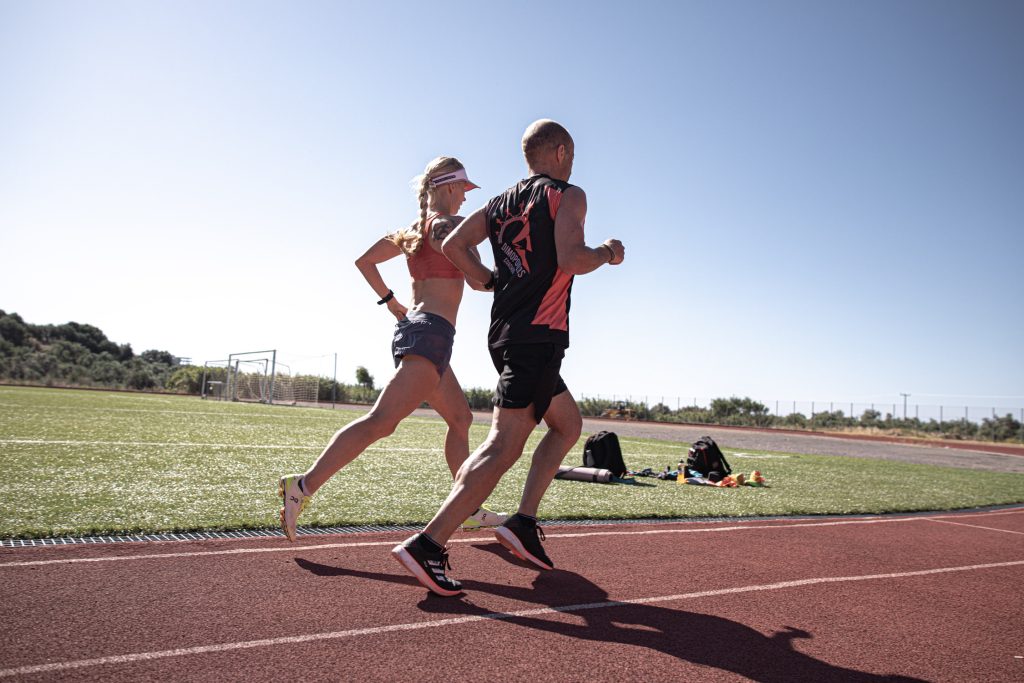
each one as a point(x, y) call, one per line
point(410, 239)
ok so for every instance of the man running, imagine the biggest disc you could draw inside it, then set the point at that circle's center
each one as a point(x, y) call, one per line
point(536, 233)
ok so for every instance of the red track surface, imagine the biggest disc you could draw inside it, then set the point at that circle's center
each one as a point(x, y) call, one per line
point(934, 598)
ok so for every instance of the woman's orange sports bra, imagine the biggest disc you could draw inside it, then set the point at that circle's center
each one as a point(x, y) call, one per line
point(428, 263)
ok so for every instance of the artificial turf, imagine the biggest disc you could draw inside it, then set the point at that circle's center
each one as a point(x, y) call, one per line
point(78, 463)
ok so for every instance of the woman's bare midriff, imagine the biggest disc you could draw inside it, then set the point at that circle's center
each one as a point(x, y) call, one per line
point(440, 296)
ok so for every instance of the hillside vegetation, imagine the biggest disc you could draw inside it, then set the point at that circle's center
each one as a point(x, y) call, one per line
point(80, 355)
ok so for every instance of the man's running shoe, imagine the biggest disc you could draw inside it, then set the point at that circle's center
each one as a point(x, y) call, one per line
point(522, 536)
point(484, 518)
point(427, 564)
point(295, 501)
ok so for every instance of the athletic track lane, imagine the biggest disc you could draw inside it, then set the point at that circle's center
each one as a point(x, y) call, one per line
point(934, 597)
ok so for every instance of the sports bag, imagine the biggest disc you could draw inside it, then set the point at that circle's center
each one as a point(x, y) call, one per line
point(602, 451)
point(706, 459)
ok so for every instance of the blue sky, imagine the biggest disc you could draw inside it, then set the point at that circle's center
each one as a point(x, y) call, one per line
point(819, 200)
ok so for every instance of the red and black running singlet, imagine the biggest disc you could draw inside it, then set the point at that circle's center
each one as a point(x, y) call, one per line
point(531, 293)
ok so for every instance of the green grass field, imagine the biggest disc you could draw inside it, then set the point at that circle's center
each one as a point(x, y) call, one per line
point(83, 463)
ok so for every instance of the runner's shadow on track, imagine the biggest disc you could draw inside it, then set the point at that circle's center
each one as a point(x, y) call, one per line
point(330, 570)
point(515, 592)
point(722, 643)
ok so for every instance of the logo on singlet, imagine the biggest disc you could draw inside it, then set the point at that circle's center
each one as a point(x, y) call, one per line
point(518, 247)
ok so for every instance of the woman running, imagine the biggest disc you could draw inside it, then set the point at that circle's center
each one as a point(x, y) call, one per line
point(422, 346)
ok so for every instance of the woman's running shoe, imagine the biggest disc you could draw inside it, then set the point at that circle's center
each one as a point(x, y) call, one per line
point(295, 501)
point(484, 518)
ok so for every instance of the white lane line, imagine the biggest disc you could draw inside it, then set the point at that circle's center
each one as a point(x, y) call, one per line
point(176, 444)
point(993, 513)
point(245, 415)
point(976, 526)
point(493, 616)
point(472, 539)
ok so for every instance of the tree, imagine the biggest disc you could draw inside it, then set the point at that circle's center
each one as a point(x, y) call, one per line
point(999, 428)
point(870, 418)
point(364, 378)
point(479, 399)
point(140, 375)
point(795, 420)
point(107, 372)
point(71, 352)
point(730, 407)
point(12, 329)
point(660, 410)
point(189, 378)
point(89, 336)
point(831, 419)
point(159, 357)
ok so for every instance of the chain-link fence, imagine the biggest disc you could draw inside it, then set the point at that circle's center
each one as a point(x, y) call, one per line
point(954, 421)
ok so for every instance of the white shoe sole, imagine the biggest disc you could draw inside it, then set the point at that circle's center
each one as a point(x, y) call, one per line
point(512, 542)
point(474, 526)
point(289, 533)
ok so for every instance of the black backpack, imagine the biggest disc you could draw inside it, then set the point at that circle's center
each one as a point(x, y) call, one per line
point(707, 458)
point(602, 451)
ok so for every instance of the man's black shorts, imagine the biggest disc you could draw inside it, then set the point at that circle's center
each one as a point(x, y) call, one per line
point(529, 374)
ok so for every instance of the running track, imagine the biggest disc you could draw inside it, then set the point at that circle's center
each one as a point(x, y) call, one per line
point(1005, 457)
point(933, 597)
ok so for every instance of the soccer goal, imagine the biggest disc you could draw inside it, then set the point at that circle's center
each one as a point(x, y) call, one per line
point(294, 389)
point(250, 380)
point(257, 376)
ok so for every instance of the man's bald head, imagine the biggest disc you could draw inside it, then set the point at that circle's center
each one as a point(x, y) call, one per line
point(548, 149)
point(543, 137)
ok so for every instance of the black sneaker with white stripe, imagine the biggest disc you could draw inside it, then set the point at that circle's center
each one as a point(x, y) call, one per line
point(420, 557)
point(522, 536)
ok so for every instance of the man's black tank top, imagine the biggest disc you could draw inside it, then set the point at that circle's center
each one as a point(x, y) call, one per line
point(531, 293)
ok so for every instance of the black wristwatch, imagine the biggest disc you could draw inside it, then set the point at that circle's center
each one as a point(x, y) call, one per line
point(389, 297)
